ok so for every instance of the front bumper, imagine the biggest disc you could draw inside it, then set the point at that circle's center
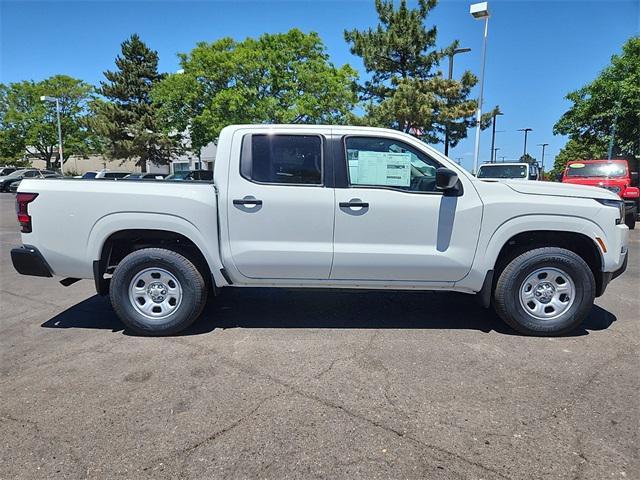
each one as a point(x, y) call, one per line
point(28, 260)
point(606, 277)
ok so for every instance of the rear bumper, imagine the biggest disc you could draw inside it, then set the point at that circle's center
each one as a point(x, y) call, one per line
point(606, 277)
point(28, 260)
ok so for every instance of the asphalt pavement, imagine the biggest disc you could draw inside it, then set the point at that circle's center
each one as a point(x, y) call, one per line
point(276, 384)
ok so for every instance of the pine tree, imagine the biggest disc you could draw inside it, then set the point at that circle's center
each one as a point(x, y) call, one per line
point(406, 91)
point(128, 120)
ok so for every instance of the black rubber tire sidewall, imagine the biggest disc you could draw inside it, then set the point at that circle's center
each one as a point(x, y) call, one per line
point(506, 295)
point(194, 293)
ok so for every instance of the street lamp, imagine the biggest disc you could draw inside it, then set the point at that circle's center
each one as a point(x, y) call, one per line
point(526, 131)
point(446, 129)
point(480, 11)
point(543, 145)
point(56, 100)
point(493, 133)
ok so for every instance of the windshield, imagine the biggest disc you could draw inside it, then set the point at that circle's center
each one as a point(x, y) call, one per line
point(17, 173)
point(502, 171)
point(90, 175)
point(599, 169)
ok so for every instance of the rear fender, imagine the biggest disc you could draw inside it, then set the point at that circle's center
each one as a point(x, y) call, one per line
point(205, 240)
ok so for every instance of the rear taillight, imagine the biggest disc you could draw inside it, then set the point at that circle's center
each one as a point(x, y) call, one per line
point(22, 209)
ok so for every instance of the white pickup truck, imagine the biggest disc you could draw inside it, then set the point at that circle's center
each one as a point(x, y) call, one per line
point(326, 206)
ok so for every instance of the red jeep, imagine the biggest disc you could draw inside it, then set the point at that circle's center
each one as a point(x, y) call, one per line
point(614, 175)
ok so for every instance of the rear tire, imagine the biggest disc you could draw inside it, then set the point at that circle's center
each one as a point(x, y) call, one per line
point(546, 291)
point(157, 292)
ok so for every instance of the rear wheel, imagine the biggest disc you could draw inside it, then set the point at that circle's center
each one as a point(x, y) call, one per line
point(546, 291)
point(157, 292)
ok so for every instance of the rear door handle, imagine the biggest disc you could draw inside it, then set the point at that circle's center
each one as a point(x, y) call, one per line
point(247, 201)
point(354, 204)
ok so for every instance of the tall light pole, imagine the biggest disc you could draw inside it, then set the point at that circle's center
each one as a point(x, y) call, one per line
point(56, 100)
point(493, 133)
point(543, 145)
point(480, 11)
point(446, 129)
point(494, 154)
point(526, 131)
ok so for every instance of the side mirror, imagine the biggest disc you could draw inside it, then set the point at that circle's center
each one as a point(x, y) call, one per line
point(446, 179)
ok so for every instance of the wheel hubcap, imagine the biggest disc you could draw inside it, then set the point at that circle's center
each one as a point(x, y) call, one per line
point(155, 293)
point(547, 293)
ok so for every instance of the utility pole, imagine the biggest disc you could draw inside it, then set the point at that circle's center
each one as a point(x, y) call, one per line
point(493, 133)
point(526, 131)
point(543, 145)
point(494, 154)
point(56, 100)
point(480, 11)
point(446, 128)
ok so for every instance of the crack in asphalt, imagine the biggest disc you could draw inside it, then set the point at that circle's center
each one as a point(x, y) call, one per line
point(254, 372)
point(51, 438)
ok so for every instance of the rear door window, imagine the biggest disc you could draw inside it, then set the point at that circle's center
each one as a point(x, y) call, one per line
point(282, 159)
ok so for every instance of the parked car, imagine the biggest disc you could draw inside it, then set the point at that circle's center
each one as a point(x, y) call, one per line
point(105, 174)
point(6, 181)
point(13, 188)
point(613, 175)
point(145, 176)
point(327, 206)
point(513, 171)
point(206, 175)
point(7, 170)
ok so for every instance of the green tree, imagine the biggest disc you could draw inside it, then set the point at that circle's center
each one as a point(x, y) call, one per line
point(578, 149)
point(405, 90)
point(276, 78)
point(526, 158)
point(612, 98)
point(126, 119)
point(29, 125)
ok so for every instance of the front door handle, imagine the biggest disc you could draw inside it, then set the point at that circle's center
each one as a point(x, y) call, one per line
point(354, 204)
point(247, 201)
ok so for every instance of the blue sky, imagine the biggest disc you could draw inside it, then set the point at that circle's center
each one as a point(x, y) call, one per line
point(537, 51)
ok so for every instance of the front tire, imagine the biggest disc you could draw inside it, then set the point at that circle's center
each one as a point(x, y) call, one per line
point(157, 292)
point(546, 291)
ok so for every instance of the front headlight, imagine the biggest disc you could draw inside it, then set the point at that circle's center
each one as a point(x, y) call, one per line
point(619, 204)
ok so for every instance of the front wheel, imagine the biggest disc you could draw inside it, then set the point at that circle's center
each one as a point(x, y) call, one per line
point(546, 291)
point(157, 292)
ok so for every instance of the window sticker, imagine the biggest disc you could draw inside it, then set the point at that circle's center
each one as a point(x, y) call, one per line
point(381, 168)
point(576, 165)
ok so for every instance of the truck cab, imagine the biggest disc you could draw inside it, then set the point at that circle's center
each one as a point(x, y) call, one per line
point(613, 175)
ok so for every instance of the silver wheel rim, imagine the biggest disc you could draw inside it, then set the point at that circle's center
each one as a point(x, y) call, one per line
point(547, 293)
point(155, 293)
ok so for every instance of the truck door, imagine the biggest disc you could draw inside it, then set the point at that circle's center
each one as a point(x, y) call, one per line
point(280, 213)
point(392, 224)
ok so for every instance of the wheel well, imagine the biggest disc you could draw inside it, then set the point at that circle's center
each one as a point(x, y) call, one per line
point(122, 243)
point(578, 243)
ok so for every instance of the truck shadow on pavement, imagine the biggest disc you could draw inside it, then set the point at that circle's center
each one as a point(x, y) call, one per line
point(282, 308)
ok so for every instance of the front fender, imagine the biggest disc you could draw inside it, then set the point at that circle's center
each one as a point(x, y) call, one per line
point(492, 242)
